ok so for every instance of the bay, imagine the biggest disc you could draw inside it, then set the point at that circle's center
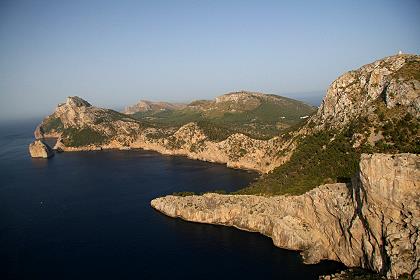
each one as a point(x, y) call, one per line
point(87, 215)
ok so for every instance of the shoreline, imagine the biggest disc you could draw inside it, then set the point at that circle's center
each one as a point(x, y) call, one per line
point(132, 149)
point(355, 224)
point(165, 152)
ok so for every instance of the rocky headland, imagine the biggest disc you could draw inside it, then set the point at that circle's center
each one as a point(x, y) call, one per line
point(79, 126)
point(40, 149)
point(371, 223)
point(380, 94)
point(368, 124)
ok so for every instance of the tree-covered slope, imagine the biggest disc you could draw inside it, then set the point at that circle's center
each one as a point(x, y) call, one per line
point(374, 109)
point(260, 116)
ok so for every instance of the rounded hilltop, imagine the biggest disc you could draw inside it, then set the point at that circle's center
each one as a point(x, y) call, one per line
point(372, 109)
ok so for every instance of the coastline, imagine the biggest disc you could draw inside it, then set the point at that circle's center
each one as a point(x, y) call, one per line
point(215, 152)
point(355, 224)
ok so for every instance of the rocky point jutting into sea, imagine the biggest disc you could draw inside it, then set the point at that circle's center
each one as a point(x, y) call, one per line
point(371, 223)
point(40, 149)
point(79, 126)
point(368, 118)
point(385, 89)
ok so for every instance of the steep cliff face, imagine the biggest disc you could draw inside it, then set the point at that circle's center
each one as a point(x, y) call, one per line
point(375, 108)
point(394, 80)
point(40, 149)
point(81, 127)
point(372, 223)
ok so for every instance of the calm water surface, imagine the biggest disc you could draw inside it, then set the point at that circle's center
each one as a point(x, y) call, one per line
point(87, 215)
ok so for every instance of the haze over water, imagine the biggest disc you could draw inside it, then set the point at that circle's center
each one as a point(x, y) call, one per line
point(87, 215)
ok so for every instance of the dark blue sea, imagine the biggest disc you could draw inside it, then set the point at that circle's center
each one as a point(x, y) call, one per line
point(87, 215)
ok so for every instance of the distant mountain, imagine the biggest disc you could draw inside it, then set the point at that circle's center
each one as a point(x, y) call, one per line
point(258, 115)
point(150, 106)
point(373, 109)
point(225, 130)
point(350, 179)
point(313, 98)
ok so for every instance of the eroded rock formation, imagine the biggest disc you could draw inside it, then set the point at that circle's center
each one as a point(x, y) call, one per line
point(40, 149)
point(372, 223)
point(394, 80)
point(82, 127)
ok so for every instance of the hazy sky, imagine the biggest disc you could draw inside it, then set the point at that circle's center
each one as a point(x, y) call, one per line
point(113, 53)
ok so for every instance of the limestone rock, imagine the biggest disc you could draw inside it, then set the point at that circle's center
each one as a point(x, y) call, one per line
point(390, 79)
point(372, 223)
point(119, 131)
point(39, 132)
point(40, 149)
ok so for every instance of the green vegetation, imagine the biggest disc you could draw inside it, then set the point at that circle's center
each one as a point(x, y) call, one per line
point(52, 124)
point(194, 193)
point(73, 137)
point(362, 274)
point(175, 143)
point(325, 157)
point(400, 130)
point(401, 135)
point(258, 118)
point(333, 156)
point(168, 118)
point(409, 71)
point(110, 116)
point(215, 132)
point(183, 193)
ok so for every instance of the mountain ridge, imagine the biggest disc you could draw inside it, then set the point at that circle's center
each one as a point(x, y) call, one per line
point(358, 106)
point(80, 126)
point(370, 220)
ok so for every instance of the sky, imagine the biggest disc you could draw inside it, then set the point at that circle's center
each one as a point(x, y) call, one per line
point(114, 53)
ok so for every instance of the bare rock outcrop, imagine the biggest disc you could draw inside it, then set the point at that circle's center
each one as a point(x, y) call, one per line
point(372, 223)
point(82, 127)
point(393, 80)
point(40, 149)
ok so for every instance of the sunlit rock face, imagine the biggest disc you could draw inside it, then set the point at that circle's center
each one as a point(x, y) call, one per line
point(39, 149)
point(99, 128)
point(393, 79)
point(372, 223)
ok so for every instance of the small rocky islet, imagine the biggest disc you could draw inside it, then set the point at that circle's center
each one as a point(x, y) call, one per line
point(342, 184)
point(40, 149)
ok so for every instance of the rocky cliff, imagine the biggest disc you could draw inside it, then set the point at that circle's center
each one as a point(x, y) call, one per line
point(376, 108)
point(80, 127)
point(371, 223)
point(40, 149)
point(394, 81)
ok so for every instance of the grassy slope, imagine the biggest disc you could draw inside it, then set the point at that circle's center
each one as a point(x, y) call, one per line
point(265, 121)
point(329, 156)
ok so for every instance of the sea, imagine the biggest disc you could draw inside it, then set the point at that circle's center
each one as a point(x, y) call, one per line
point(87, 215)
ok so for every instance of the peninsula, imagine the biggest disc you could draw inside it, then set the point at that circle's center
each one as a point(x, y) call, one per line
point(338, 182)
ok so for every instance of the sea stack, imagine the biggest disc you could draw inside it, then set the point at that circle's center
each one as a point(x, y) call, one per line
point(40, 149)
